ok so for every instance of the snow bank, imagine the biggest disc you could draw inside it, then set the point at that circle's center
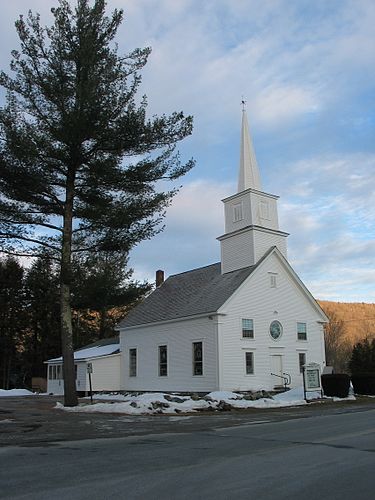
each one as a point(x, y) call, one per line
point(15, 392)
point(351, 397)
point(152, 403)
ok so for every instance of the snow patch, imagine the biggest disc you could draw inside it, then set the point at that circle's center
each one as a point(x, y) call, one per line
point(224, 395)
point(351, 397)
point(15, 392)
point(153, 403)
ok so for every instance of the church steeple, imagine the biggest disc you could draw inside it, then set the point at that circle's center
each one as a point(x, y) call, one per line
point(251, 220)
point(248, 173)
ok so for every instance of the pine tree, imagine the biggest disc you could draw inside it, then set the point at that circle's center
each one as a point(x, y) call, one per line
point(41, 289)
point(12, 317)
point(79, 160)
point(363, 357)
point(102, 283)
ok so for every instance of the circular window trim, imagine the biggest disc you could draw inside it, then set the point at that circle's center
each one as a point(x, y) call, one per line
point(276, 322)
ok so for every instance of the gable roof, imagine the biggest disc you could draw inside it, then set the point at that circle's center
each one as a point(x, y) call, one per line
point(295, 278)
point(101, 342)
point(199, 291)
point(300, 284)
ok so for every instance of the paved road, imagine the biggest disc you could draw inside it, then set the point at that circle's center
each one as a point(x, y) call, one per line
point(33, 421)
point(324, 452)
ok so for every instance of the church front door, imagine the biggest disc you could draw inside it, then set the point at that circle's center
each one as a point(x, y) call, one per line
point(277, 369)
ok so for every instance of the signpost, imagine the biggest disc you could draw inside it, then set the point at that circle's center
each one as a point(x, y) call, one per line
point(89, 371)
point(311, 379)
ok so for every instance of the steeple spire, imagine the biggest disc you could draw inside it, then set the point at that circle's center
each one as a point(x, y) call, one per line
point(251, 221)
point(249, 173)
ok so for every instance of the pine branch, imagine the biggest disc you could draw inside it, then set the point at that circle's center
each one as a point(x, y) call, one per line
point(30, 255)
point(31, 223)
point(17, 237)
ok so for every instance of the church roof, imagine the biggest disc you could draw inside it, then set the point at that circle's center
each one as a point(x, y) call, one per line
point(249, 176)
point(98, 349)
point(199, 291)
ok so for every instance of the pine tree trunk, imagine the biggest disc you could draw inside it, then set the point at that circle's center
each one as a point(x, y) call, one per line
point(3, 371)
point(7, 374)
point(70, 395)
point(34, 362)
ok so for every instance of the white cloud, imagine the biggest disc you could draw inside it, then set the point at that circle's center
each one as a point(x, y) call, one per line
point(332, 242)
point(307, 77)
point(193, 222)
point(276, 104)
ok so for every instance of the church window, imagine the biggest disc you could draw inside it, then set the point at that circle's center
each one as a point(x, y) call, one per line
point(276, 329)
point(237, 212)
point(301, 361)
point(264, 210)
point(197, 358)
point(248, 328)
point(249, 361)
point(132, 362)
point(273, 280)
point(301, 331)
point(163, 360)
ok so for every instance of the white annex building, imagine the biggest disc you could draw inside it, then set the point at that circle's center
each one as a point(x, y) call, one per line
point(245, 323)
point(105, 360)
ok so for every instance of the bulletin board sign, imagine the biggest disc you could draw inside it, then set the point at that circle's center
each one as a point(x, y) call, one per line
point(311, 378)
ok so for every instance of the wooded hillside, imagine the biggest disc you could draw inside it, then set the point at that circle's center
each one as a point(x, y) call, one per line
point(358, 318)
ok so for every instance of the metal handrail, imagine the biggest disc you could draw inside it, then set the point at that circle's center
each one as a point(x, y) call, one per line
point(287, 379)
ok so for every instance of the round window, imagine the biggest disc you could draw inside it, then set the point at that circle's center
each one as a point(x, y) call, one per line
point(276, 330)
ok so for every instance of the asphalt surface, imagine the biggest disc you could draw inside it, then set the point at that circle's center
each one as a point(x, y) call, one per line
point(34, 421)
point(319, 451)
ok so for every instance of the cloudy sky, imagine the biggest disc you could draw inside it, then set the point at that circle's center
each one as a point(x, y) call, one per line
point(307, 72)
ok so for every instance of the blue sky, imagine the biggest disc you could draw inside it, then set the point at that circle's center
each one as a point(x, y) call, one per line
point(307, 72)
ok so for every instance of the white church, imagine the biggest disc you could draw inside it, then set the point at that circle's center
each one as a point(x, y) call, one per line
point(245, 323)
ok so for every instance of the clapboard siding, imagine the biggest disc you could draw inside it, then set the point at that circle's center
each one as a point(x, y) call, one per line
point(258, 301)
point(55, 387)
point(272, 221)
point(247, 248)
point(237, 252)
point(178, 336)
point(105, 373)
point(251, 212)
point(244, 200)
point(263, 241)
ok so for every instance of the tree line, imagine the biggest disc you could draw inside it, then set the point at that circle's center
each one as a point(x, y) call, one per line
point(348, 334)
point(102, 293)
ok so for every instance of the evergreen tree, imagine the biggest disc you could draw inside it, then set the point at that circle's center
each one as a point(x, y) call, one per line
point(79, 160)
point(42, 294)
point(102, 283)
point(12, 318)
point(363, 357)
